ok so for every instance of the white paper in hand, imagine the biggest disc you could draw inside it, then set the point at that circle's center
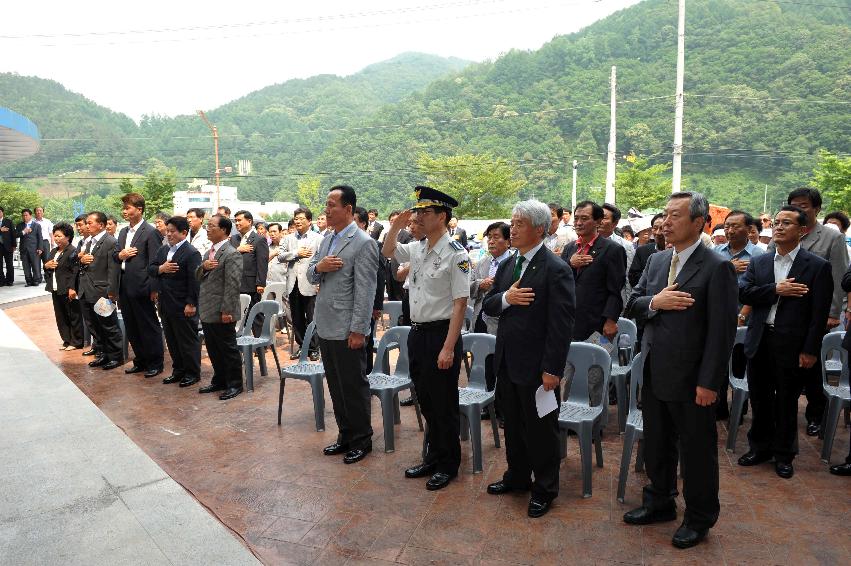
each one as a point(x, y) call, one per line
point(545, 402)
point(104, 307)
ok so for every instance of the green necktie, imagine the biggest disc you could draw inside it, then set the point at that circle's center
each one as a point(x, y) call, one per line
point(518, 268)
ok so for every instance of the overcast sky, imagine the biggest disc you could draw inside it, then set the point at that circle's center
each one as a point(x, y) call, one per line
point(174, 57)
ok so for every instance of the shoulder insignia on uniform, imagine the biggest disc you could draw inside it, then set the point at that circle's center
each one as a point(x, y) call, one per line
point(456, 245)
point(464, 266)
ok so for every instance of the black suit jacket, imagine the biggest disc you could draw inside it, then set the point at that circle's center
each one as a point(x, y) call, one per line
point(533, 339)
point(799, 321)
point(846, 286)
point(598, 286)
point(376, 230)
point(31, 241)
point(99, 278)
point(690, 347)
point(639, 262)
point(255, 264)
point(134, 280)
point(65, 272)
point(460, 235)
point(176, 290)
point(8, 240)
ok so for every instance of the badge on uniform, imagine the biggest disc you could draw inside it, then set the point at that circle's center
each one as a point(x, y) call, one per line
point(464, 266)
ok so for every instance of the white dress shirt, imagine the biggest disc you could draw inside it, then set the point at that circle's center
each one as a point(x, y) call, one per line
point(782, 265)
point(173, 249)
point(131, 231)
point(528, 255)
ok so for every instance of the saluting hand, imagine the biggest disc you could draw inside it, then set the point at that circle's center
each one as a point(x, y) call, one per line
point(210, 264)
point(519, 296)
point(669, 299)
point(169, 267)
point(788, 288)
point(329, 263)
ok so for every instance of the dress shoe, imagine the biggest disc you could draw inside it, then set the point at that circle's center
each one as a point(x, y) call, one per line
point(134, 369)
point(313, 356)
point(813, 428)
point(686, 537)
point(153, 372)
point(438, 481)
point(72, 347)
point(538, 508)
point(230, 393)
point(500, 487)
point(409, 402)
point(91, 352)
point(841, 469)
point(187, 381)
point(334, 449)
point(97, 362)
point(296, 355)
point(646, 516)
point(420, 471)
point(754, 458)
point(211, 388)
point(111, 365)
point(356, 455)
point(172, 379)
point(784, 470)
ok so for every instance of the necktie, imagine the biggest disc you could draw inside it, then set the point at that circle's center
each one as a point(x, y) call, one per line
point(518, 268)
point(672, 273)
point(331, 244)
point(89, 246)
point(212, 255)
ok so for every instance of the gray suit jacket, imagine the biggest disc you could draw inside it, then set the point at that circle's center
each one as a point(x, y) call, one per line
point(477, 296)
point(220, 286)
point(830, 245)
point(346, 296)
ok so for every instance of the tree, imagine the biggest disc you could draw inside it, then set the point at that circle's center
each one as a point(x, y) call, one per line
point(832, 176)
point(14, 198)
point(309, 194)
point(485, 186)
point(641, 185)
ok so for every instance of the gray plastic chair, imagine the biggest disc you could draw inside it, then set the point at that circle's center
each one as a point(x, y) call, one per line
point(577, 413)
point(244, 304)
point(248, 343)
point(387, 386)
point(393, 310)
point(838, 396)
point(634, 430)
point(622, 354)
point(739, 387)
point(311, 372)
point(468, 322)
point(475, 397)
point(278, 292)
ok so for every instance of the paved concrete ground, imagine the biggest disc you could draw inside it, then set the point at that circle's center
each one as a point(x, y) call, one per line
point(76, 490)
point(293, 505)
point(19, 294)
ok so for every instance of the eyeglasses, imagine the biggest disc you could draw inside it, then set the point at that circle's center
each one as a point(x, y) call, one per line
point(784, 223)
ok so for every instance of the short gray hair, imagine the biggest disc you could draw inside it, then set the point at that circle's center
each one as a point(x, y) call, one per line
point(698, 206)
point(536, 212)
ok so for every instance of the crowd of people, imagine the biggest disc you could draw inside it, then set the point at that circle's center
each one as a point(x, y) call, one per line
point(548, 278)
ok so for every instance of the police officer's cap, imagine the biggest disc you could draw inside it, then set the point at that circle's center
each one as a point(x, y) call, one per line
point(428, 197)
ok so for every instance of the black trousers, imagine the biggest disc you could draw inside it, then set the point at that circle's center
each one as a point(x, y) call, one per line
point(69, 320)
point(774, 387)
point(224, 355)
point(345, 372)
point(671, 426)
point(531, 442)
point(105, 332)
point(816, 401)
point(7, 257)
point(32, 265)
point(184, 344)
point(257, 325)
point(406, 308)
point(437, 392)
point(301, 307)
point(143, 330)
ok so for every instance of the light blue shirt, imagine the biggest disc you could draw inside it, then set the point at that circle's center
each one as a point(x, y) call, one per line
point(747, 253)
point(336, 238)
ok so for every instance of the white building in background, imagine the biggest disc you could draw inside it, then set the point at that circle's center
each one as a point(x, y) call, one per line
point(201, 194)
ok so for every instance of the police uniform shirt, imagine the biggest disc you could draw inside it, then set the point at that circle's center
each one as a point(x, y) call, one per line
point(438, 276)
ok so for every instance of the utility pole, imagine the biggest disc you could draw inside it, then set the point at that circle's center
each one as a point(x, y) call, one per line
point(216, 150)
point(765, 200)
point(611, 159)
point(678, 111)
point(573, 193)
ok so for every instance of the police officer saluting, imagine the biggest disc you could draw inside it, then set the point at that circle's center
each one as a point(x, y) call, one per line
point(439, 289)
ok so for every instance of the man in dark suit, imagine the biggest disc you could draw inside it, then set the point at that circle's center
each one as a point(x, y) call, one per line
point(374, 228)
point(8, 243)
point(790, 291)
point(29, 237)
point(61, 274)
point(845, 469)
point(688, 298)
point(456, 233)
point(599, 269)
point(99, 280)
point(255, 261)
point(533, 296)
point(175, 289)
point(137, 247)
point(643, 252)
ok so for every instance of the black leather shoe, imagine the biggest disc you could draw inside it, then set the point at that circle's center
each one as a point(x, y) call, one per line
point(313, 356)
point(500, 487)
point(187, 381)
point(153, 372)
point(409, 402)
point(647, 516)
point(211, 388)
point(686, 537)
point(438, 481)
point(538, 508)
point(486, 415)
point(813, 428)
point(784, 470)
point(296, 355)
point(111, 365)
point(97, 362)
point(134, 369)
point(841, 469)
point(230, 393)
point(172, 379)
point(420, 471)
point(91, 352)
point(356, 455)
point(753, 458)
point(334, 449)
